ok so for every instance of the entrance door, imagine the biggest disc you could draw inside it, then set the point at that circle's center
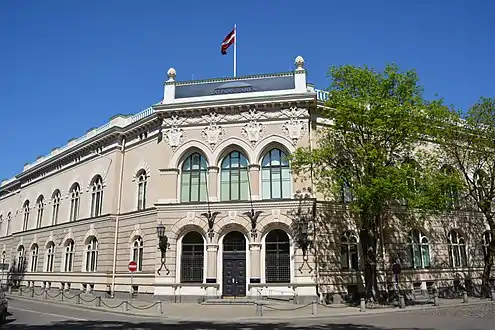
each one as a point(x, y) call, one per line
point(234, 265)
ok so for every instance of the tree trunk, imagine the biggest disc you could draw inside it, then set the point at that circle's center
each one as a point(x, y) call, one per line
point(368, 244)
point(485, 284)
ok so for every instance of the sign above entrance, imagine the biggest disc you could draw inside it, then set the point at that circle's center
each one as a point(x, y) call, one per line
point(277, 82)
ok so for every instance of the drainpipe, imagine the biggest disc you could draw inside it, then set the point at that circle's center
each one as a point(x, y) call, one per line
point(119, 202)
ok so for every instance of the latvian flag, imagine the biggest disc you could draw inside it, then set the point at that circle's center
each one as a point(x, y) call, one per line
point(228, 41)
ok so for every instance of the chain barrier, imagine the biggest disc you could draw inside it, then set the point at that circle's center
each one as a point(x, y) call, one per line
point(99, 301)
point(286, 309)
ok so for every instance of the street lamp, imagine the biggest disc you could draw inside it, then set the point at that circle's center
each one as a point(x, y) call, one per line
point(163, 245)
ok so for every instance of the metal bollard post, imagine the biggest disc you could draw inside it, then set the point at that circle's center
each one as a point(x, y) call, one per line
point(45, 294)
point(124, 306)
point(78, 299)
point(159, 308)
point(20, 292)
point(492, 293)
point(435, 299)
point(10, 289)
point(98, 301)
point(257, 309)
point(362, 305)
point(464, 296)
point(402, 301)
point(62, 295)
point(314, 307)
point(261, 309)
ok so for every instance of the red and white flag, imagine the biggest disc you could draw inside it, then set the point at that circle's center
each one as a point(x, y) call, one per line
point(228, 41)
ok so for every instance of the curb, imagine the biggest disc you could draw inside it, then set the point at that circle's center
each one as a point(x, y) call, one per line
point(81, 306)
point(261, 319)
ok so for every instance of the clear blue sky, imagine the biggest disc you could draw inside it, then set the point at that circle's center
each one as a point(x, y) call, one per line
point(67, 66)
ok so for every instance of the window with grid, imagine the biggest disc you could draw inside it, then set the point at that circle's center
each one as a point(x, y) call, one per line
point(69, 256)
point(21, 259)
point(277, 257)
point(25, 209)
point(34, 257)
point(137, 252)
point(50, 256)
point(40, 206)
point(92, 255)
point(457, 250)
point(193, 179)
point(55, 206)
point(275, 175)
point(419, 249)
point(192, 258)
point(141, 190)
point(349, 251)
point(75, 192)
point(234, 181)
point(96, 196)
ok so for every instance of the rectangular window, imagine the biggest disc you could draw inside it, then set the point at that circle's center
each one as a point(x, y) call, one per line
point(265, 183)
point(224, 185)
point(286, 192)
point(244, 185)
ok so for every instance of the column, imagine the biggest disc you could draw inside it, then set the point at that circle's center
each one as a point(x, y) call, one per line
point(211, 270)
point(255, 258)
point(254, 181)
point(213, 183)
point(169, 178)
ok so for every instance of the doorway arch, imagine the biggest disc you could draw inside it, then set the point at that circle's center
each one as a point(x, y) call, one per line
point(234, 265)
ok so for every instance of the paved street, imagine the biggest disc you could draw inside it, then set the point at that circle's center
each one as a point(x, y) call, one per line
point(40, 315)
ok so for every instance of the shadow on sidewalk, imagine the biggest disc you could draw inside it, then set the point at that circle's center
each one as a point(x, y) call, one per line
point(110, 325)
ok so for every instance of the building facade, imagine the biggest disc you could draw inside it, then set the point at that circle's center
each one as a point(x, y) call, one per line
point(209, 163)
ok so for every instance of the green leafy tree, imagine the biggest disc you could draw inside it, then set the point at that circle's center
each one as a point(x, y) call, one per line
point(376, 123)
point(469, 146)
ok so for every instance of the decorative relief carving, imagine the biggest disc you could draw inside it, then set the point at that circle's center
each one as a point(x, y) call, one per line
point(213, 133)
point(295, 127)
point(253, 131)
point(174, 135)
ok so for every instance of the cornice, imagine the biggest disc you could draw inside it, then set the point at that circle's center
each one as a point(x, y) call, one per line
point(291, 204)
point(234, 103)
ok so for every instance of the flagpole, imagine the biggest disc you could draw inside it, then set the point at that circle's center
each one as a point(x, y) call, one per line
point(235, 50)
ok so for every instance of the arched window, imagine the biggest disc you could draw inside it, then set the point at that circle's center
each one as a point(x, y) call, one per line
point(92, 255)
point(485, 242)
point(34, 257)
point(40, 206)
point(137, 252)
point(349, 251)
point(275, 175)
point(55, 206)
point(450, 190)
point(21, 259)
point(50, 256)
point(419, 249)
point(192, 258)
point(9, 219)
point(277, 257)
point(25, 209)
point(75, 195)
point(346, 192)
point(457, 250)
point(142, 183)
point(96, 196)
point(234, 181)
point(69, 256)
point(193, 179)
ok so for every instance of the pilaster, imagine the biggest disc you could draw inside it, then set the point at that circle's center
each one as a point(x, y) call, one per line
point(255, 256)
point(213, 183)
point(254, 181)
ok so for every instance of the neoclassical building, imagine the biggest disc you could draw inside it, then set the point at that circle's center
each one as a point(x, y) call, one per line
point(208, 167)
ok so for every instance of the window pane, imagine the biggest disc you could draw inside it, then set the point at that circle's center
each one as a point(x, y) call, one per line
point(426, 256)
point(244, 184)
point(224, 185)
point(265, 183)
point(185, 182)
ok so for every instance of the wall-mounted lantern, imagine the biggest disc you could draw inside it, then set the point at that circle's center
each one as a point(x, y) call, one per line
point(163, 245)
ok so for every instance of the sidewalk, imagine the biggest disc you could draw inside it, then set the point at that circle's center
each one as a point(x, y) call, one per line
point(198, 312)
